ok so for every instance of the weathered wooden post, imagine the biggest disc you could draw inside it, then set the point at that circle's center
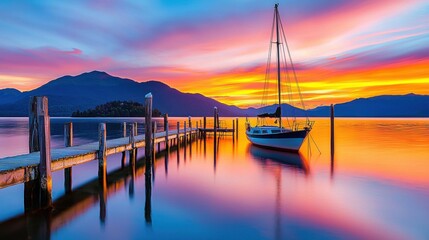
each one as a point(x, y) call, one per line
point(236, 127)
point(190, 128)
point(102, 169)
point(332, 132)
point(124, 134)
point(102, 154)
point(132, 141)
point(44, 130)
point(178, 134)
point(197, 131)
point(215, 123)
point(166, 130)
point(184, 136)
point(68, 142)
point(205, 126)
point(37, 192)
point(148, 128)
point(155, 129)
point(135, 135)
point(233, 129)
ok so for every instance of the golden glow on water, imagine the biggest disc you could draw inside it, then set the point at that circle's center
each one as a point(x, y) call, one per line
point(379, 166)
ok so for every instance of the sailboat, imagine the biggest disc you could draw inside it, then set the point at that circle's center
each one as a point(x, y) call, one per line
point(277, 136)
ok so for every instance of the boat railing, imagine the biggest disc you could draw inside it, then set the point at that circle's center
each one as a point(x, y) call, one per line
point(308, 125)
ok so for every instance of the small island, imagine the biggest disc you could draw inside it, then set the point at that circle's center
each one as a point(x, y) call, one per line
point(117, 109)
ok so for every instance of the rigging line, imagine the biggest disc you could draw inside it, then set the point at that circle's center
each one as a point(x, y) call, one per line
point(286, 75)
point(294, 73)
point(268, 67)
point(289, 84)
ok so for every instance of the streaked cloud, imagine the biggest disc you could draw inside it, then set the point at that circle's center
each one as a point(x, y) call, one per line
point(343, 49)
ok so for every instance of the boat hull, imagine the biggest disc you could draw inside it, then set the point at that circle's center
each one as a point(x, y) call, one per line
point(290, 141)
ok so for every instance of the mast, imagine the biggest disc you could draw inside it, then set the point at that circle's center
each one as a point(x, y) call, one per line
point(278, 61)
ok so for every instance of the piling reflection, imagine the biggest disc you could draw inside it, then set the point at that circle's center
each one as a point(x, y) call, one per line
point(41, 223)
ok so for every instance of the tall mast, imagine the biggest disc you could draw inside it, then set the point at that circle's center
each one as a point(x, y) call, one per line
point(278, 61)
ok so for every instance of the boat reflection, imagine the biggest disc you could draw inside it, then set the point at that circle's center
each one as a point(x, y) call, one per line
point(290, 160)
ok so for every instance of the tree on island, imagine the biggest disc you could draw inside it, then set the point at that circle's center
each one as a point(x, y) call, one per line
point(117, 109)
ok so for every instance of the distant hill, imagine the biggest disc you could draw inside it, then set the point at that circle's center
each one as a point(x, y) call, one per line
point(410, 105)
point(69, 94)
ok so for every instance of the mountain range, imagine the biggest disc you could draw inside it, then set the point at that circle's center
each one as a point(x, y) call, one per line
point(71, 93)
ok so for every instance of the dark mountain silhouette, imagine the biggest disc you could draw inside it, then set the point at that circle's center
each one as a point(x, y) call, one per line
point(72, 93)
point(410, 105)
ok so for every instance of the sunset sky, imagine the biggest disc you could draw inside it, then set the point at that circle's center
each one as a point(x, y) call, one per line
point(343, 49)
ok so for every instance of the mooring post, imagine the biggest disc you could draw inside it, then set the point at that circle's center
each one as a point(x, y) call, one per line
point(136, 132)
point(215, 123)
point(38, 192)
point(190, 129)
point(153, 139)
point(233, 129)
point(197, 131)
point(236, 127)
point(124, 134)
point(332, 131)
point(44, 130)
point(148, 128)
point(184, 136)
point(102, 153)
point(102, 169)
point(68, 142)
point(178, 134)
point(166, 130)
point(132, 141)
point(205, 126)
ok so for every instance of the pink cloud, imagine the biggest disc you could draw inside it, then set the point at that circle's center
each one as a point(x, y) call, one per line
point(42, 64)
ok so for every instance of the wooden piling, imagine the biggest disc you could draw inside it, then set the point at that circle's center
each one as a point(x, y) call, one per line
point(102, 169)
point(236, 127)
point(44, 130)
point(148, 127)
point(332, 131)
point(132, 141)
point(233, 130)
point(166, 130)
point(32, 188)
point(153, 139)
point(68, 142)
point(38, 192)
point(215, 123)
point(124, 134)
point(102, 153)
point(190, 129)
point(204, 126)
point(184, 136)
point(178, 134)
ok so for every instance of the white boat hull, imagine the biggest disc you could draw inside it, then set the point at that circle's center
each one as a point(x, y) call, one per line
point(290, 141)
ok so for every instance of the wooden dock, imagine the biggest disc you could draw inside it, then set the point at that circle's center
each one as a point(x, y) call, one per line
point(35, 169)
point(23, 168)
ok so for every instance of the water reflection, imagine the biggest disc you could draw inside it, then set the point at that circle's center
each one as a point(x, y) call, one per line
point(295, 161)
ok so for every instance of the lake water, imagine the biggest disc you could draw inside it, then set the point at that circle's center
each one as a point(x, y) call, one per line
point(376, 186)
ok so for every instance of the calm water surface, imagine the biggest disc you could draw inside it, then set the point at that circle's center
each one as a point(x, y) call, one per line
point(376, 186)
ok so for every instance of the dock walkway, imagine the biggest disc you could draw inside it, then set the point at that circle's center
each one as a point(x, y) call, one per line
point(23, 168)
